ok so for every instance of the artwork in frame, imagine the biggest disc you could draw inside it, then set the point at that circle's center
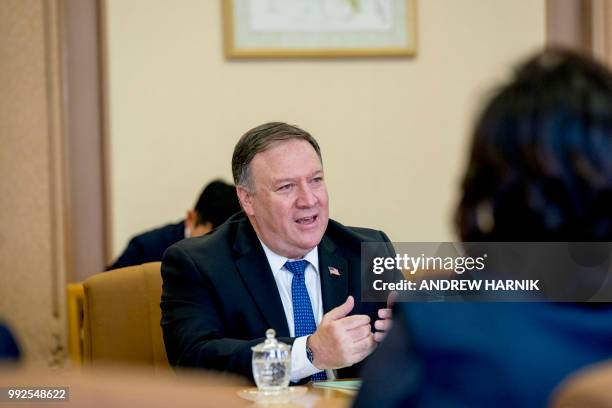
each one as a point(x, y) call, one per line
point(319, 28)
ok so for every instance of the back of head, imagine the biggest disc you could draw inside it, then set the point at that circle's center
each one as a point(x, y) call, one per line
point(540, 166)
point(217, 202)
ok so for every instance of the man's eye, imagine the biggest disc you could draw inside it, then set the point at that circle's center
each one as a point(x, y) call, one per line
point(285, 187)
point(317, 179)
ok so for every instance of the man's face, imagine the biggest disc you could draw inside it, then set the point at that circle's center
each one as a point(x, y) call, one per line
point(289, 205)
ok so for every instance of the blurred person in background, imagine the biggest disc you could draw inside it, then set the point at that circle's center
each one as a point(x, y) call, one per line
point(540, 169)
point(217, 202)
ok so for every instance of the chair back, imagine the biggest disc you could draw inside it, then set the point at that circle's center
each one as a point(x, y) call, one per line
point(122, 317)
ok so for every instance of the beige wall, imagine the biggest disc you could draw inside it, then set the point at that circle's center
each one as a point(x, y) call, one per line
point(393, 131)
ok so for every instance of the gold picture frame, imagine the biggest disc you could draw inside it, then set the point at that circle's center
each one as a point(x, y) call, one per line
point(324, 29)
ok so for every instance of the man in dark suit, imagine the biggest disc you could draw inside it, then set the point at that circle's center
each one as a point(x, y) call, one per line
point(281, 264)
point(217, 202)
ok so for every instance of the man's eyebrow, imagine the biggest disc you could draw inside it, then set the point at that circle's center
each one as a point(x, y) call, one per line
point(283, 180)
point(292, 179)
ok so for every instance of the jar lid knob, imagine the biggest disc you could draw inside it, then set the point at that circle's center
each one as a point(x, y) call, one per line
point(270, 334)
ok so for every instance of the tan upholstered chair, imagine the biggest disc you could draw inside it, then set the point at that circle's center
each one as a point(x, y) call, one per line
point(590, 387)
point(122, 317)
point(74, 303)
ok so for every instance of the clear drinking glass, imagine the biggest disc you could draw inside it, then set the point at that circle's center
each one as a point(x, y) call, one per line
point(271, 364)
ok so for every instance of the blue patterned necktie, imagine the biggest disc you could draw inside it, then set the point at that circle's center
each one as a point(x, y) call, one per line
point(303, 318)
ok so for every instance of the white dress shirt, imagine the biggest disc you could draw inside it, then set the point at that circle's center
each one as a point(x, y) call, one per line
point(300, 366)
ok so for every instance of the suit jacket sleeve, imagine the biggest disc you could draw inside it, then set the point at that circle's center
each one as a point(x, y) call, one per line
point(193, 321)
point(132, 255)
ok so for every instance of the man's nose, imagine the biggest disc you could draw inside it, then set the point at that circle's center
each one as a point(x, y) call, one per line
point(306, 198)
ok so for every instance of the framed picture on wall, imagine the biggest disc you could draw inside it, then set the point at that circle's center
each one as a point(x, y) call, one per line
point(319, 28)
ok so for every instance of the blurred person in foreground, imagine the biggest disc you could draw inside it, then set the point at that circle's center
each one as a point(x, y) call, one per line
point(9, 351)
point(217, 202)
point(282, 263)
point(540, 169)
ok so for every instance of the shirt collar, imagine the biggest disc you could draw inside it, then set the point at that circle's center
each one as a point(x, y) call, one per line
point(277, 261)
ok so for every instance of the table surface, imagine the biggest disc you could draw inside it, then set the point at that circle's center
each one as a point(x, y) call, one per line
point(129, 387)
point(314, 397)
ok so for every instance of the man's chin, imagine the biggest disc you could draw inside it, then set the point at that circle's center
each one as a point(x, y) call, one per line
point(308, 243)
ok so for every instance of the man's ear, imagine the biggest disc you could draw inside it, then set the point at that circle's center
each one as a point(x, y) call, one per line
point(193, 228)
point(246, 200)
point(190, 220)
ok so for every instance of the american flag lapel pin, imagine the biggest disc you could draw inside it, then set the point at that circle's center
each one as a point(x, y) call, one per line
point(333, 271)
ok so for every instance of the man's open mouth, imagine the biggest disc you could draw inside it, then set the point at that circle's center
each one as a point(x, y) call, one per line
point(307, 220)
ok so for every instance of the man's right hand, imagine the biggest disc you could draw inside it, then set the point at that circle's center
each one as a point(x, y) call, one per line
point(341, 340)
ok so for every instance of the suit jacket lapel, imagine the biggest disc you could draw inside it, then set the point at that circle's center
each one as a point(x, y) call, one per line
point(255, 271)
point(334, 288)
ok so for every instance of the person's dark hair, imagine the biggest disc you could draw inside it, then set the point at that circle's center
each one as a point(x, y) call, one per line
point(262, 138)
point(540, 166)
point(216, 204)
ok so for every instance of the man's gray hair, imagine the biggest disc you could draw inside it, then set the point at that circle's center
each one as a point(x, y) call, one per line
point(260, 139)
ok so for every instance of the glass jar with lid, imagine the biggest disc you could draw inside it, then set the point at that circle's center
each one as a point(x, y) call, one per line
point(271, 364)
